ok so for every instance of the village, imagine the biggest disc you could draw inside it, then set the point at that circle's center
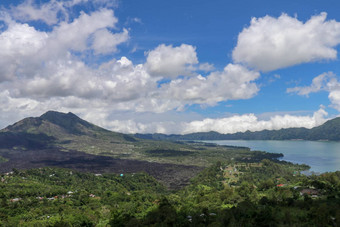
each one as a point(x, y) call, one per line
point(233, 173)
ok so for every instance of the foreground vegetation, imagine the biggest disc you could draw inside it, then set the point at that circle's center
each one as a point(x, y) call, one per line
point(261, 193)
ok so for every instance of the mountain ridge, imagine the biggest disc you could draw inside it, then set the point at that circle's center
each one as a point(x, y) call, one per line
point(60, 126)
point(330, 130)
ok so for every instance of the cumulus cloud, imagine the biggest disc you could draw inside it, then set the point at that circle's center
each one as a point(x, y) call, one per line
point(334, 97)
point(25, 51)
point(115, 81)
point(47, 12)
point(318, 84)
point(130, 126)
point(105, 42)
point(17, 46)
point(242, 123)
point(271, 43)
point(232, 124)
point(333, 87)
point(75, 35)
point(170, 62)
point(130, 87)
point(53, 11)
point(206, 67)
point(234, 82)
point(22, 107)
point(325, 82)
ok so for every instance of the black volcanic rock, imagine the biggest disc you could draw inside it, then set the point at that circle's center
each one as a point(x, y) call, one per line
point(10, 140)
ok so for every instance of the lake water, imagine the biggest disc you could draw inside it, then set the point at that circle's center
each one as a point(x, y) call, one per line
point(321, 156)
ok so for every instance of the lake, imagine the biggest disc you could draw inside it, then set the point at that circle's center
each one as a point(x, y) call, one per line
point(321, 156)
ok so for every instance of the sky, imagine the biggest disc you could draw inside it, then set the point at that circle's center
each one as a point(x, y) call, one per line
point(172, 66)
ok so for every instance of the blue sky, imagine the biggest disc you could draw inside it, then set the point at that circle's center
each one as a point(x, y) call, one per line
point(172, 66)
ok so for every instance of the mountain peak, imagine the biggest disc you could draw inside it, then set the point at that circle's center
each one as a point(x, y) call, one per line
point(68, 121)
point(58, 126)
point(55, 114)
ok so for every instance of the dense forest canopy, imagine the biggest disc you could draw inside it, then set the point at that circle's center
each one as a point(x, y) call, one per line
point(225, 194)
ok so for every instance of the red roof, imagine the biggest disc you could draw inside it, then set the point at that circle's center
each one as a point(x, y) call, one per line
point(280, 185)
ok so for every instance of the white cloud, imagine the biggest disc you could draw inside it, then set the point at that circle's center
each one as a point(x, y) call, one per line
point(15, 109)
point(170, 62)
point(115, 81)
point(334, 97)
point(242, 123)
point(26, 52)
point(17, 46)
point(232, 124)
point(318, 84)
point(95, 3)
point(105, 42)
point(234, 82)
point(325, 82)
point(47, 12)
point(75, 35)
point(271, 43)
point(206, 67)
point(41, 66)
point(53, 11)
point(333, 86)
point(129, 87)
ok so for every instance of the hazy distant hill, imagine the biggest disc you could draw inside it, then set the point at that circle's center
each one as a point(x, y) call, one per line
point(330, 130)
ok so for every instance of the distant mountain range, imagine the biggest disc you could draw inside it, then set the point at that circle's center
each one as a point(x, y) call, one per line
point(330, 130)
point(69, 131)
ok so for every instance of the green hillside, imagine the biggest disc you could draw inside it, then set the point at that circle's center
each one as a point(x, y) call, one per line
point(328, 131)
